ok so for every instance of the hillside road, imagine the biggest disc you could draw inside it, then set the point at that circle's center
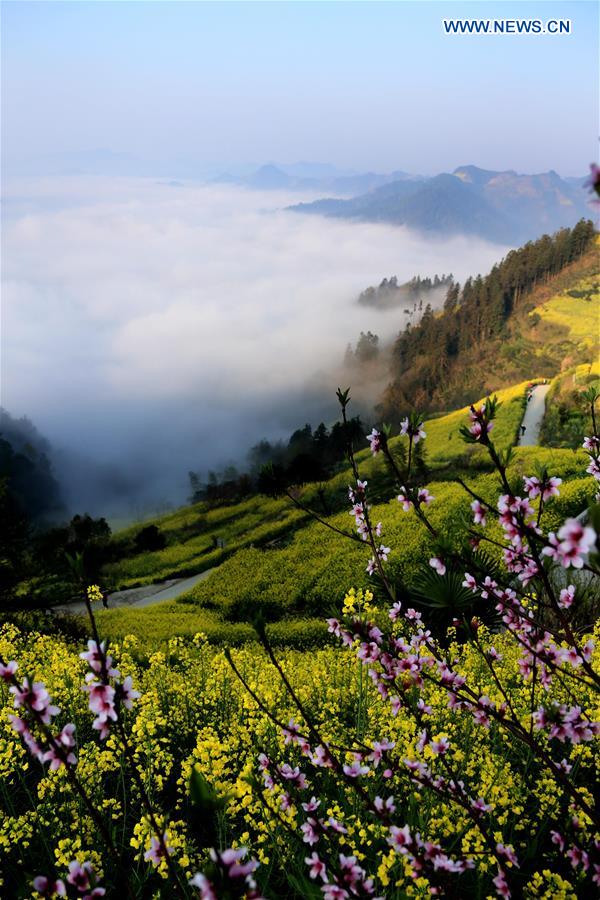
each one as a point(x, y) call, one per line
point(140, 597)
point(534, 414)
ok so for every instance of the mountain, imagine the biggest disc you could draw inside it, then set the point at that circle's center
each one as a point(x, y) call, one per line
point(499, 206)
point(273, 177)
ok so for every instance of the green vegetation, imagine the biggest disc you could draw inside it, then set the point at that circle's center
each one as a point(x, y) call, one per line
point(296, 584)
point(566, 419)
point(485, 339)
point(156, 625)
point(576, 310)
point(192, 533)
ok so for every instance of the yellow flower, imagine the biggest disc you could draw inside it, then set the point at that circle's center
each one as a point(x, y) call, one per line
point(94, 593)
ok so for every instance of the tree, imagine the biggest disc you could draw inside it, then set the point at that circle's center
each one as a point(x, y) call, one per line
point(367, 347)
point(149, 539)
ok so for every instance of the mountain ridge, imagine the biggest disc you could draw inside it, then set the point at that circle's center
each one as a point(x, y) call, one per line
point(502, 206)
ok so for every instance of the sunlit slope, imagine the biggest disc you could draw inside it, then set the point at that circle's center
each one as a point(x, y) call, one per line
point(191, 532)
point(577, 311)
point(294, 586)
point(301, 577)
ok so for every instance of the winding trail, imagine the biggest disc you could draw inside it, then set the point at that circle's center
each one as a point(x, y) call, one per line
point(534, 414)
point(140, 597)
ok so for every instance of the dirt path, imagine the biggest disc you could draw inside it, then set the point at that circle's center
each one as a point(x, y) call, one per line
point(149, 595)
point(534, 414)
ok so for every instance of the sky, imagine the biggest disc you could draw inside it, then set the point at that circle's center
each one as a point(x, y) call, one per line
point(373, 85)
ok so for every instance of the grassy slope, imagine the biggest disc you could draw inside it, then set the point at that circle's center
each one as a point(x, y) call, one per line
point(535, 346)
point(298, 581)
point(190, 531)
point(259, 520)
point(576, 311)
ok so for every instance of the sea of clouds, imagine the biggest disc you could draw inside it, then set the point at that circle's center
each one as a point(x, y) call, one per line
point(157, 327)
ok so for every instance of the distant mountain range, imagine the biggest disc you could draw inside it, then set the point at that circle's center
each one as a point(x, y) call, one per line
point(299, 178)
point(500, 206)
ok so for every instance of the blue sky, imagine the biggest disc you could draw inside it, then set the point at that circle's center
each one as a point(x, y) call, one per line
point(362, 85)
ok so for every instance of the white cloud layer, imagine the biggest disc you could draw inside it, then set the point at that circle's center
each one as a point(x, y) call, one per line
point(171, 324)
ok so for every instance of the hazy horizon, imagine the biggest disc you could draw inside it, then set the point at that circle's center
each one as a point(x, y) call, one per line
point(186, 87)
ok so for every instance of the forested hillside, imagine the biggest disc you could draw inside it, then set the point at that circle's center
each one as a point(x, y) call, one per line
point(484, 338)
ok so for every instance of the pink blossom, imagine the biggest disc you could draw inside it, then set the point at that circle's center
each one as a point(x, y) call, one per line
point(96, 656)
point(573, 543)
point(35, 697)
point(58, 757)
point(501, 884)
point(378, 751)
point(333, 626)
point(440, 746)
point(480, 806)
point(594, 469)
point(48, 888)
point(423, 496)
point(79, 875)
point(587, 650)
point(508, 852)
point(592, 443)
point(158, 850)
point(558, 839)
point(317, 868)
point(395, 611)
point(375, 441)
point(567, 596)
point(415, 431)
point(126, 693)
point(578, 857)
point(400, 838)
point(334, 892)
point(321, 758)
point(547, 488)
point(404, 500)
point(479, 513)
point(438, 564)
point(310, 835)
point(7, 670)
point(207, 890)
point(232, 860)
point(387, 806)
point(102, 703)
point(336, 826)
point(480, 429)
point(355, 769)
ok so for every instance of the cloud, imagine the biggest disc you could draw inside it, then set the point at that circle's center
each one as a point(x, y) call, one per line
point(175, 326)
